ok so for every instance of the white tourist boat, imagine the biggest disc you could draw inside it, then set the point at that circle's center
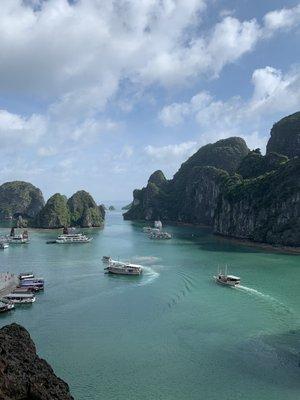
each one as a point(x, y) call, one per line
point(18, 239)
point(72, 238)
point(223, 278)
point(20, 298)
point(26, 275)
point(123, 268)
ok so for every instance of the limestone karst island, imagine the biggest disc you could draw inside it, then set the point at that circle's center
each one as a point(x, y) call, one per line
point(149, 200)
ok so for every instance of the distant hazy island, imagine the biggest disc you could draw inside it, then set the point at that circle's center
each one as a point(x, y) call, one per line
point(238, 192)
point(25, 203)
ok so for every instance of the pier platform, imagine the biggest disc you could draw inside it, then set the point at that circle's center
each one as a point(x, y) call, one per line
point(8, 282)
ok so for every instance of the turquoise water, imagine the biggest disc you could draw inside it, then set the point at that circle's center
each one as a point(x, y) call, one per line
point(172, 333)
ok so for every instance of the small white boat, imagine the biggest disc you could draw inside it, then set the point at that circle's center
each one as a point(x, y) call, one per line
point(20, 298)
point(5, 306)
point(122, 268)
point(228, 280)
point(26, 275)
point(71, 238)
point(4, 245)
point(18, 239)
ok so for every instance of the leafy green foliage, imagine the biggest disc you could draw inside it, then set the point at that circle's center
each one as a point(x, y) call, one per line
point(84, 211)
point(55, 214)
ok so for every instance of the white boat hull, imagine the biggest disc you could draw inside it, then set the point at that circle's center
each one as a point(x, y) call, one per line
point(226, 283)
point(120, 271)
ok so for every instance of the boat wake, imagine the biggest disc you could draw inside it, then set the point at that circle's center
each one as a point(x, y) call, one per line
point(146, 259)
point(265, 297)
point(186, 288)
point(149, 275)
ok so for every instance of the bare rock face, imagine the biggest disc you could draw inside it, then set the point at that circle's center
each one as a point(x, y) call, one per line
point(285, 136)
point(23, 375)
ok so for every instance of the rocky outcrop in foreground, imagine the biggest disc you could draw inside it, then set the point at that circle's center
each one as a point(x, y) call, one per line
point(23, 374)
point(238, 192)
point(19, 198)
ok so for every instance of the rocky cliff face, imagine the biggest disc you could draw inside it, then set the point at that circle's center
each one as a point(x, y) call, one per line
point(84, 211)
point(55, 214)
point(184, 197)
point(285, 136)
point(265, 209)
point(240, 193)
point(20, 198)
point(23, 374)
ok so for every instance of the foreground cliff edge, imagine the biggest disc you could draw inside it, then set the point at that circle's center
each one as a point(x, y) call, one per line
point(23, 374)
point(239, 193)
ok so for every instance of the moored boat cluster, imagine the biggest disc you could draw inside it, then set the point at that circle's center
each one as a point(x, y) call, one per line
point(156, 232)
point(13, 238)
point(24, 293)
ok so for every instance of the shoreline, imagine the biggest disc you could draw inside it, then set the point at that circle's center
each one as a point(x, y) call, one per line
point(244, 242)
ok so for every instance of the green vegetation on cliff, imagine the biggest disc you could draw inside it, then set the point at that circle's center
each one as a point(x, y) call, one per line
point(20, 198)
point(55, 214)
point(263, 209)
point(285, 136)
point(84, 211)
point(255, 164)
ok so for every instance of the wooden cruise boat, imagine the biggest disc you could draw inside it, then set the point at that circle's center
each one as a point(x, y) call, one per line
point(223, 278)
point(20, 298)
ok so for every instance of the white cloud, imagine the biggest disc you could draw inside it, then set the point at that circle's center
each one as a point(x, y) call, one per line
point(126, 152)
point(76, 54)
point(175, 113)
point(47, 151)
point(273, 94)
point(286, 18)
point(23, 130)
point(171, 152)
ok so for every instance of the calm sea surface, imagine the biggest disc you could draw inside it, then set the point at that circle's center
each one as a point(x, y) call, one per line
point(171, 334)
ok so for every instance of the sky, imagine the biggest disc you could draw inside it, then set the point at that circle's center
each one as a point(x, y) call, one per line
point(98, 94)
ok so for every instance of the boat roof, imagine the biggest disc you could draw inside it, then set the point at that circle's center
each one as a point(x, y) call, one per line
point(32, 279)
point(125, 264)
point(19, 295)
